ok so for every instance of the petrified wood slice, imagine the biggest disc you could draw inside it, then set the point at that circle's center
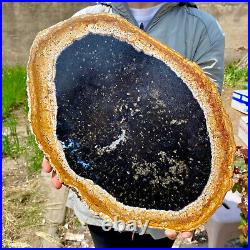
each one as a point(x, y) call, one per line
point(137, 130)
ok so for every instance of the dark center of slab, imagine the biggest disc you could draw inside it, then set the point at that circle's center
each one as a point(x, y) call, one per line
point(127, 122)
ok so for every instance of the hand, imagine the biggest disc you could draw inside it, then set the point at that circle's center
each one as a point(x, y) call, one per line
point(171, 234)
point(54, 179)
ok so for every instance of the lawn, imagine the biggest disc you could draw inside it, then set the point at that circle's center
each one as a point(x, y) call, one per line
point(14, 101)
point(13, 88)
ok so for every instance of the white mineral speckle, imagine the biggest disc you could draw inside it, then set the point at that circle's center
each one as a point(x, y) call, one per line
point(179, 122)
point(113, 145)
point(162, 155)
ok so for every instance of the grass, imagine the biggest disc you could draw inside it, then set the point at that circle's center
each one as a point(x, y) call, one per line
point(14, 95)
point(235, 76)
point(13, 88)
point(10, 142)
point(34, 155)
point(13, 146)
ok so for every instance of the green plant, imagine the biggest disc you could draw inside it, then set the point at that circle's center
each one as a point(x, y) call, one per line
point(13, 88)
point(235, 76)
point(241, 185)
point(13, 147)
point(34, 155)
point(10, 142)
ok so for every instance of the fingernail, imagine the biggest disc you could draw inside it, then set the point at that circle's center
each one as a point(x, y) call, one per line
point(171, 234)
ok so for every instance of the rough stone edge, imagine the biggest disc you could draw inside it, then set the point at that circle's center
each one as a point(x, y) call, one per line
point(42, 103)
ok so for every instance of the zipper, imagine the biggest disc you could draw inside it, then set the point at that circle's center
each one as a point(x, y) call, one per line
point(141, 26)
point(156, 17)
point(130, 16)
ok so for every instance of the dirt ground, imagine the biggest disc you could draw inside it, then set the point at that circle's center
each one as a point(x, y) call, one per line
point(22, 205)
point(22, 192)
point(22, 197)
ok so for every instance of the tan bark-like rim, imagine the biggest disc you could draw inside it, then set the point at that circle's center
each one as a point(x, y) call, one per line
point(43, 110)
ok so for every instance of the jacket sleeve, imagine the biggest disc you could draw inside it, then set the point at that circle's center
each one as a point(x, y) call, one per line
point(209, 54)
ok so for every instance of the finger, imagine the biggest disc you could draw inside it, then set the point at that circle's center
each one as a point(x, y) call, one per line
point(46, 166)
point(186, 234)
point(55, 181)
point(171, 234)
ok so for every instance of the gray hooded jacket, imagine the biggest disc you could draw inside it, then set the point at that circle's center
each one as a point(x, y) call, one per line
point(191, 32)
